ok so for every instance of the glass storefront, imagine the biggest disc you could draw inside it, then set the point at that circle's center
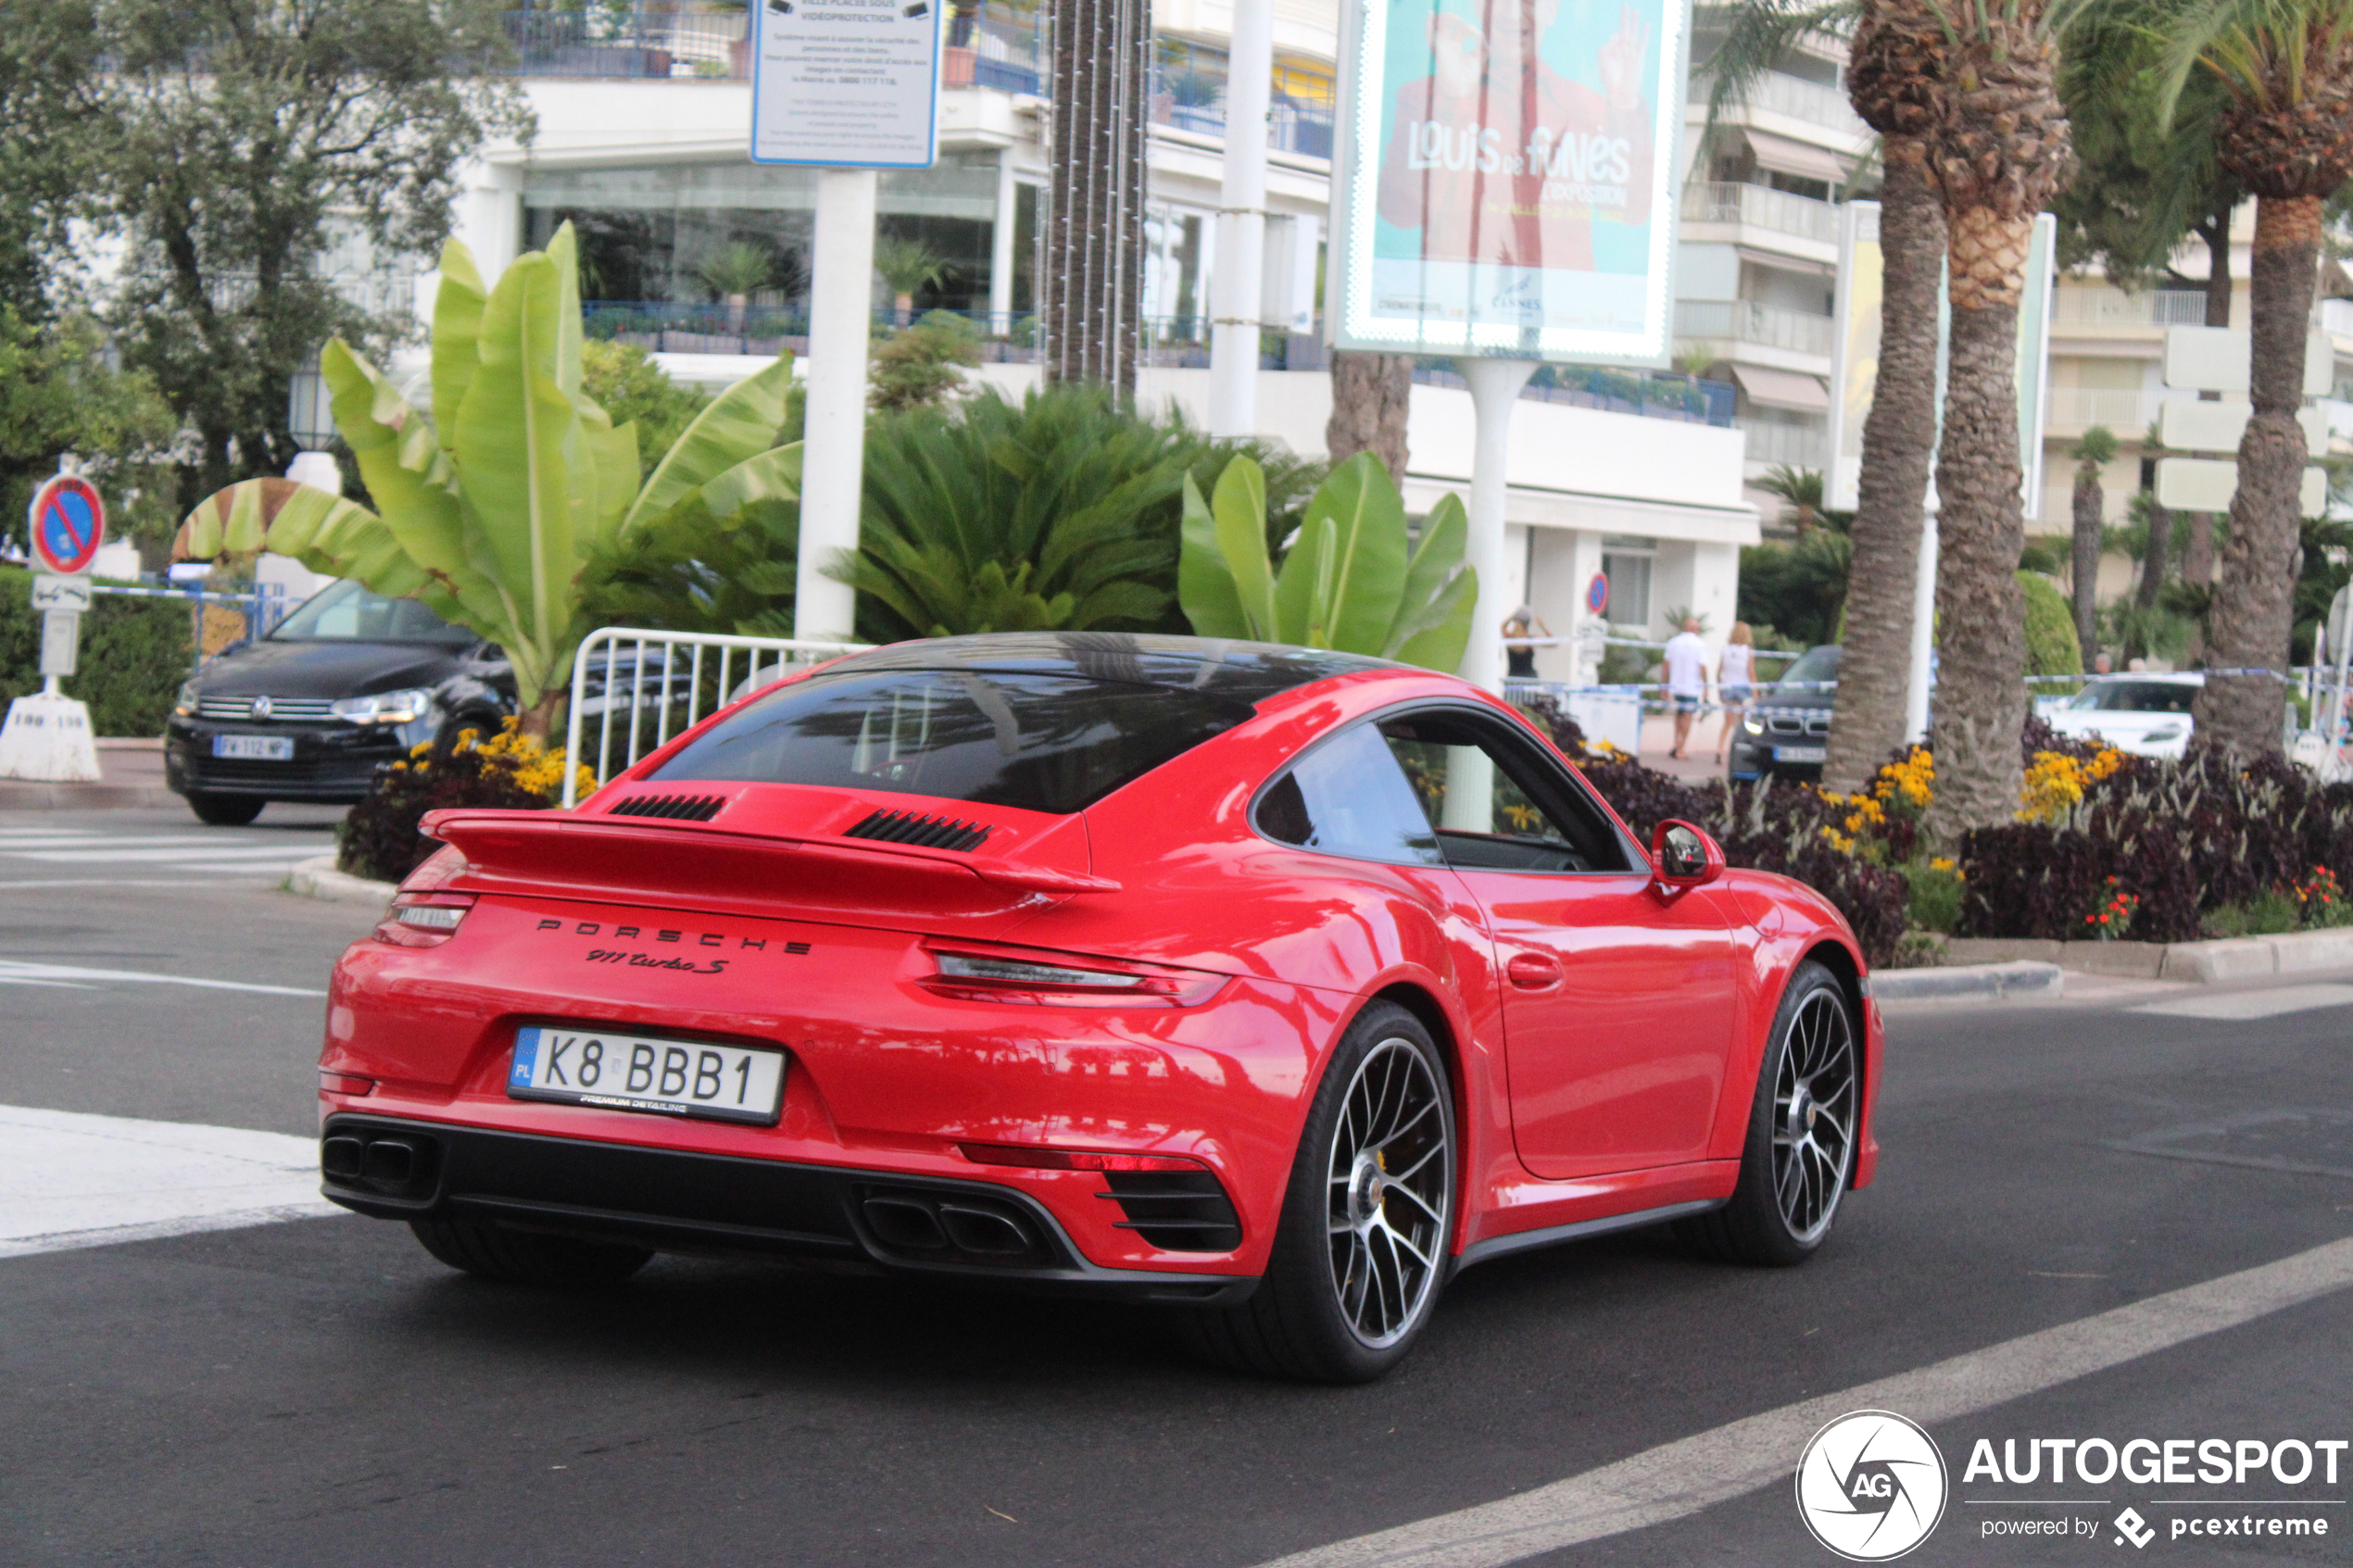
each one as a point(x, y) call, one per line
point(647, 232)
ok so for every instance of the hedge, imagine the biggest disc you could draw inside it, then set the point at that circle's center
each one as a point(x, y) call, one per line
point(134, 654)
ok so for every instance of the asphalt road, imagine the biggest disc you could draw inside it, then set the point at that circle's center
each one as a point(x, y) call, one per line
point(320, 1392)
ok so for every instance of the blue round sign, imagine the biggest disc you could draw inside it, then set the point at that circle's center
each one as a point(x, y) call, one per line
point(1597, 593)
point(69, 524)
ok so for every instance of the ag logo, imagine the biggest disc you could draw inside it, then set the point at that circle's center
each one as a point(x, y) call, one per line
point(1870, 1486)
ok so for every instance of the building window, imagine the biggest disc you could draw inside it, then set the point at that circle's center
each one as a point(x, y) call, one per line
point(1629, 587)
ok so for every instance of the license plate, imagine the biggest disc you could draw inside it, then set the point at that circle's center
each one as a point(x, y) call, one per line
point(667, 1077)
point(1801, 753)
point(255, 748)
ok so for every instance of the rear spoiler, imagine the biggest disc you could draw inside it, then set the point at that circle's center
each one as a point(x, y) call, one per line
point(636, 856)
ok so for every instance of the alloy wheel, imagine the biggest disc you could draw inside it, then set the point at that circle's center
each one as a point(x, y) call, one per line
point(1391, 1193)
point(1814, 1115)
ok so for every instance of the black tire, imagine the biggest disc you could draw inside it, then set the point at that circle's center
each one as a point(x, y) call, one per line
point(1299, 1323)
point(1800, 1151)
point(526, 1257)
point(225, 810)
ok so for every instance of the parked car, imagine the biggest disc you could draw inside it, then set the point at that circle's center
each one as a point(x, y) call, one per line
point(1176, 970)
point(2148, 715)
point(1786, 731)
point(349, 681)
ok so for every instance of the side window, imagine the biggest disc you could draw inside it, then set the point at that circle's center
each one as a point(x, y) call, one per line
point(1496, 802)
point(1348, 798)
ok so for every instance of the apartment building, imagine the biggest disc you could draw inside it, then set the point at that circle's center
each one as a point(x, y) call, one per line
point(1758, 265)
point(640, 145)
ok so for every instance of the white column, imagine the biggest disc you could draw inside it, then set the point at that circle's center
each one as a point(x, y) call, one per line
point(1000, 244)
point(1494, 389)
point(1241, 227)
point(841, 312)
point(1923, 634)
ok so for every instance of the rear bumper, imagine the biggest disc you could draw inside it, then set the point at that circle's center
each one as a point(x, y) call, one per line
point(684, 1201)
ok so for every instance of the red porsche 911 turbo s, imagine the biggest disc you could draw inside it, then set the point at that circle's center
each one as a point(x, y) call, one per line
point(1272, 985)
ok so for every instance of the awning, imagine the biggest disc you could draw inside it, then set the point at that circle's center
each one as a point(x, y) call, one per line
point(1800, 158)
point(1783, 389)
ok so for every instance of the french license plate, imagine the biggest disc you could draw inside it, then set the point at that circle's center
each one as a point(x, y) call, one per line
point(1801, 753)
point(255, 748)
point(626, 1073)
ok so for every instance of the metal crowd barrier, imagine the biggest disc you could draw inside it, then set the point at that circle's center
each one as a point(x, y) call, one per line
point(262, 605)
point(667, 693)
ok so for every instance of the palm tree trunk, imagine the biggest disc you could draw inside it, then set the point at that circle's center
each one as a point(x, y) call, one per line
point(1980, 692)
point(1090, 270)
point(2090, 506)
point(1899, 439)
point(2159, 555)
point(1370, 394)
point(2253, 595)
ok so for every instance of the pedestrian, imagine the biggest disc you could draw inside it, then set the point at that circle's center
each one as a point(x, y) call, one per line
point(2101, 663)
point(1518, 650)
point(1735, 681)
point(1686, 680)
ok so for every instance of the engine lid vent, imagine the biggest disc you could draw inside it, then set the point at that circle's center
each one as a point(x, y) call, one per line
point(913, 827)
point(680, 808)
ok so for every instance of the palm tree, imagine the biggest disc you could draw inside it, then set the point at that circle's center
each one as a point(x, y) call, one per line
point(1997, 152)
point(906, 266)
point(2093, 454)
point(732, 273)
point(2285, 69)
point(1895, 79)
point(1370, 396)
point(1801, 488)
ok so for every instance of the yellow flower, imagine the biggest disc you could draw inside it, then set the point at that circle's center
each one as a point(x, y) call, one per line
point(1941, 863)
point(2054, 786)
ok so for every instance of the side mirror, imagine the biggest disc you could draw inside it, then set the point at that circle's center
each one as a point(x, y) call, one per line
point(1686, 856)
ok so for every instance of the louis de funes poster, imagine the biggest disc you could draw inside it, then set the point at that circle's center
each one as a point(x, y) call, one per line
point(1517, 149)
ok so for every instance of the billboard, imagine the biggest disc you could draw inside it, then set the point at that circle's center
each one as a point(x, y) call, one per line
point(1855, 354)
point(1505, 176)
point(846, 83)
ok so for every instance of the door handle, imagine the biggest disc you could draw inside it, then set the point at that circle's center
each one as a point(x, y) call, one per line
point(1533, 971)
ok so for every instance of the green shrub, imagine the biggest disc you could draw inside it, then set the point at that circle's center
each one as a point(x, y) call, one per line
point(922, 366)
point(1936, 896)
point(134, 654)
point(1800, 588)
point(2051, 648)
point(2269, 913)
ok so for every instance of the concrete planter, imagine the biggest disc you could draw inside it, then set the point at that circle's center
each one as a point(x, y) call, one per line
point(2237, 957)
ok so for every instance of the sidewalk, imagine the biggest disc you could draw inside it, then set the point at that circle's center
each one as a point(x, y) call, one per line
point(1699, 765)
point(131, 774)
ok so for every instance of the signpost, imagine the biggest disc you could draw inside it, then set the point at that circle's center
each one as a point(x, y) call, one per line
point(47, 735)
point(1505, 193)
point(848, 87)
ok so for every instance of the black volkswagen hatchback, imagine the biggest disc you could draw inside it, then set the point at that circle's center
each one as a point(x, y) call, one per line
point(349, 681)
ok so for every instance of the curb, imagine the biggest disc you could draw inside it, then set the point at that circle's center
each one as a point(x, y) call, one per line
point(2235, 957)
point(1978, 981)
point(316, 878)
point(18, 796)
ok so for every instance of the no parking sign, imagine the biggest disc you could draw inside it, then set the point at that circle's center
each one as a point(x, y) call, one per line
point(69, 523)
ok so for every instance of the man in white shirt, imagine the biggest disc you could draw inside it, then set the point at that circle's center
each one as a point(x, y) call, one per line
point(1686, 680)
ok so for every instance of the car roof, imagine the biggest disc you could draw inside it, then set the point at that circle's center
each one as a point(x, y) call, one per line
point(1245, 672)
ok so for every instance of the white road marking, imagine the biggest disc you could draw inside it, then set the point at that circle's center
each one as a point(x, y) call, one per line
point(15, 970)
point(214, 852)
point(2242, 1007)
point(218, 853)
point(70, 1180)
point(12, 884)
point(1680, 1478)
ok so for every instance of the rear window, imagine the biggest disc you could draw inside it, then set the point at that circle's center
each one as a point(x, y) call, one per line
point(1043, 743)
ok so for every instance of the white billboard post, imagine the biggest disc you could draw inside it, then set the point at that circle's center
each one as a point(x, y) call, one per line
point(1855, 381)
point(1503, 193)
point(848, 87)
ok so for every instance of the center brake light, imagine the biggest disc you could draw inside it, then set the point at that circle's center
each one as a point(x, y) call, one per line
point(1026, 976)
point(424, 919)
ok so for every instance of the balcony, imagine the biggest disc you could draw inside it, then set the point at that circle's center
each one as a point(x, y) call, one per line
point(712, 44)
point(2128, 412)
point(1793, 95)
point(992, 46)
point(2099, 306)
point(1650, 394)
point(1738, 320)
point(1186, 91)
point(1762, 206)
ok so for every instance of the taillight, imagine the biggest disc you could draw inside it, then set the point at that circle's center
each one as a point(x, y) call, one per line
point(424, 919)
point(1073, 1159)
point(1027, 976)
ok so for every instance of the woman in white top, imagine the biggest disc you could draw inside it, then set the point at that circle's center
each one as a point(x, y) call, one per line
point(1735, 681)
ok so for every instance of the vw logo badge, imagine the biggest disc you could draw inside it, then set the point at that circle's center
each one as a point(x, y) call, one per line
point(261, 708)
point(1872, 1486)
